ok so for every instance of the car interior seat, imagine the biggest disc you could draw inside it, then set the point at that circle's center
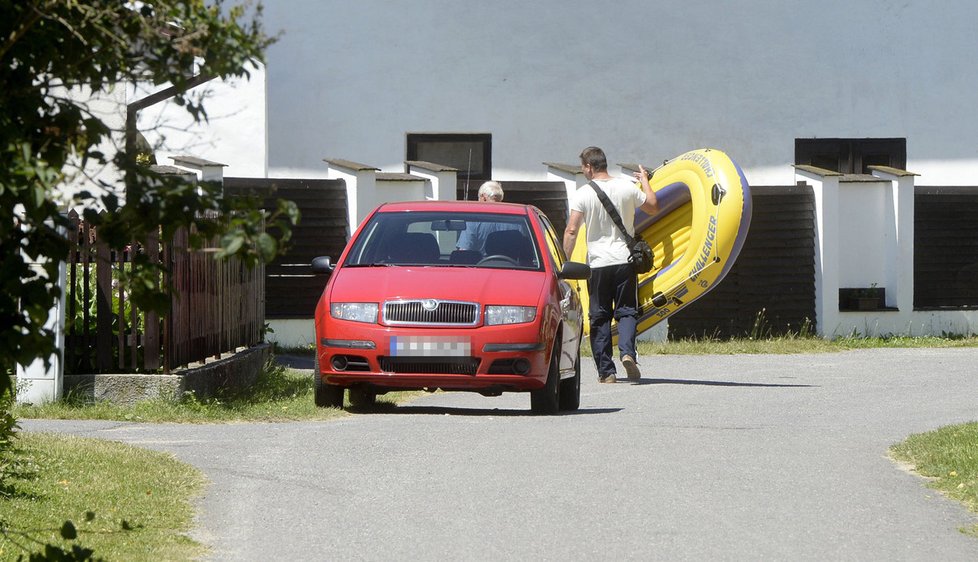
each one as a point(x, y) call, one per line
point(414, 247)
point(510, 243)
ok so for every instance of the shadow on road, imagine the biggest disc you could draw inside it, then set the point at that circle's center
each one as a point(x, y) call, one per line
point(720, 383)
point(453, 411)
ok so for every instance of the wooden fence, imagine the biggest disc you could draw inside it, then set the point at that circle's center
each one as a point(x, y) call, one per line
point(945, 266)
point(291, 288)
point(770, 290)
point(216, 306)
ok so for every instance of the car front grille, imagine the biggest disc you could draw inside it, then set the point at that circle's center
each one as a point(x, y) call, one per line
point(430, 365)
point(430, 312)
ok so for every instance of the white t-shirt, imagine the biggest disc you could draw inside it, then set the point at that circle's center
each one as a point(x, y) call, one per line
point(605, 244)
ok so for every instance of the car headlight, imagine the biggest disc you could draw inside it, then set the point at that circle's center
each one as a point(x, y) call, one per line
point(510, 314)
point(354, 311)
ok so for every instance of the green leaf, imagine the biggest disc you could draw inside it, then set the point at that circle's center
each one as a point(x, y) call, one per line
point(267, 247)
point(233, 243)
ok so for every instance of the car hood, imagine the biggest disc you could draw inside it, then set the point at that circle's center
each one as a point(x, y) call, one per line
point(485, 286)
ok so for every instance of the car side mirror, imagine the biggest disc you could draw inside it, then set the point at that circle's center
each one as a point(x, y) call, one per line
point(322, 265)
point(574, 270)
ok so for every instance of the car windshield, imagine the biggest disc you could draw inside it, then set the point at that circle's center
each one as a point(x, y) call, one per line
point(446, 239)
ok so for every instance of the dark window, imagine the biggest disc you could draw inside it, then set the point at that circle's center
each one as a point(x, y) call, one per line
point(470, 154)
point(851, 156)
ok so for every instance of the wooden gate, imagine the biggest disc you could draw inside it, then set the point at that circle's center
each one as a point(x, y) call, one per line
point(291, 290)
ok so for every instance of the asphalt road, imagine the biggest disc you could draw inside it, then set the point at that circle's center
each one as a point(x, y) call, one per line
point(707, 458)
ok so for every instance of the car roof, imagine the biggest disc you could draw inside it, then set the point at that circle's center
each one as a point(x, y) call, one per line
point(456, 206)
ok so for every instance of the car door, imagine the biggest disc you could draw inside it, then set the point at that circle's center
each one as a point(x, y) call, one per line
point(570, 302)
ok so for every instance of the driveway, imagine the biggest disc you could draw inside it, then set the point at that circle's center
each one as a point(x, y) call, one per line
point(741, 457)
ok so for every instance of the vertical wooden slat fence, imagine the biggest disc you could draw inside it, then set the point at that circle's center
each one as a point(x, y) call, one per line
point(290, 288)
point(216, 306)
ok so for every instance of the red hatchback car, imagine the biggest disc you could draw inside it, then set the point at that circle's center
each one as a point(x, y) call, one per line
point(451, 295)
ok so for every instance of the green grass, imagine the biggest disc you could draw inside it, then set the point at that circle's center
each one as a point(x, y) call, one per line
point(790, 344)
point(281, 394)
point(55, 478)
point(949, 455)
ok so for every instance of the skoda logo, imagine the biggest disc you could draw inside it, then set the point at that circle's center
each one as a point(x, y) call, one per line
point(429, 304)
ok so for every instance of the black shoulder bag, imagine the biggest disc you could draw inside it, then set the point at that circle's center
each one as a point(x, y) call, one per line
point(641, 256)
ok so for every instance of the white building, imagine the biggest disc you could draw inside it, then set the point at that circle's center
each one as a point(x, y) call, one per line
point(497, 89)
point(645, 80)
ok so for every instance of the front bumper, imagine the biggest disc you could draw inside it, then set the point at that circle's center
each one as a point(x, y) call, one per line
point(504, 358)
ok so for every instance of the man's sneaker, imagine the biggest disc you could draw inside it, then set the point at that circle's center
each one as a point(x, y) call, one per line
point(608, 378)
point(631, 368)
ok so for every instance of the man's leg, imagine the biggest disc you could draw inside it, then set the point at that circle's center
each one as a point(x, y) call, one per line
point(601, 290)
point(626, 316)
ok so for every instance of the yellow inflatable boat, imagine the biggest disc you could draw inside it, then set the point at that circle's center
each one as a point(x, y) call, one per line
point(704, 214)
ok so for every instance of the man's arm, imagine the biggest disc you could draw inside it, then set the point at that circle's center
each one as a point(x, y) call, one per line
point(574, 222)
point(468, 239)
point(651, 205)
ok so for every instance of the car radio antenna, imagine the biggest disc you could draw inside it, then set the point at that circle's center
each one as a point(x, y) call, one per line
point(468, 172)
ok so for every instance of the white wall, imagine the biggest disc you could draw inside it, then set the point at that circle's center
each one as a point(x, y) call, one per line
point(645, 79)
point(863, 235)
point(234, 134)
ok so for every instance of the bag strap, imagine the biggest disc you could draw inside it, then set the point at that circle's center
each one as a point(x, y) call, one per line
point(603, 197)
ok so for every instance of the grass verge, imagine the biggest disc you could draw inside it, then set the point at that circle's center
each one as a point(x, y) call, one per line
point(792, 344)
point(281, 394)
point(125, 503)
point(949, 456)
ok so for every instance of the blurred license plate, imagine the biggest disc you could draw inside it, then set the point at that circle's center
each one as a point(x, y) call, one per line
point(430, 346)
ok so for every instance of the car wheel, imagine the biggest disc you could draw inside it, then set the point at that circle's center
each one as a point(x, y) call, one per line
point(570, 389)
point(361, 397)
point(547, 399)
point(325, 395)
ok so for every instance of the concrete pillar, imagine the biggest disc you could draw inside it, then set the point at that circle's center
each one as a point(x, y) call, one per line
point(443, 180)
point(392, 187)
point(899, 250)
point(38, 383)
point(825, 184)
point(209, 171)
point(361, 184)
point(570, 174)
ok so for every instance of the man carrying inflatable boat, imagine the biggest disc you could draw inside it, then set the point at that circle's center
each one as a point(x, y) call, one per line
point(613, 286)
point(695, 221)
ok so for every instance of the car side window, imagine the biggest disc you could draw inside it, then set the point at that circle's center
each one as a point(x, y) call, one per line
point(554, 246)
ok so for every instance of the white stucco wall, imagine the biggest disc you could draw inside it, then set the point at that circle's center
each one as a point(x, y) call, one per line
point(235, 133)
point(646, 80)
point(862, 228)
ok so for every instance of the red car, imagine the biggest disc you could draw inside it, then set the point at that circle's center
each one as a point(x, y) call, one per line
point(451, 295)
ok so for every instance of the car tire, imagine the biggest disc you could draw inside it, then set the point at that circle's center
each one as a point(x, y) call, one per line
point(547, 399)
point(362, 398)
point(325, 395)
point(570, 389)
